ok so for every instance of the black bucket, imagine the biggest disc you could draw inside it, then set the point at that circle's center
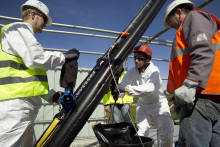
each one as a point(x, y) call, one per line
point(120, 134)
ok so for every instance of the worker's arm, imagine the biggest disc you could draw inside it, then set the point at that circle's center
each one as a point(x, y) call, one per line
point(198, 29)
point(147, 88)
point(152, 82)
point(19, 40)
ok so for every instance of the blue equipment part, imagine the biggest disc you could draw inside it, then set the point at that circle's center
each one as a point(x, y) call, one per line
point(68, 100)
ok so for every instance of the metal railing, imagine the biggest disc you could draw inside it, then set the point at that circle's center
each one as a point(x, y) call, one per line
point(156, 40)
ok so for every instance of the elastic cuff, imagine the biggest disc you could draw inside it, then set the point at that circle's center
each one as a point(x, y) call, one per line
point(192, 80)
point(191, 83)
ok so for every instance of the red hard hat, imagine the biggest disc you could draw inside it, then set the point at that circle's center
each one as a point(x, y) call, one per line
point(143, 48)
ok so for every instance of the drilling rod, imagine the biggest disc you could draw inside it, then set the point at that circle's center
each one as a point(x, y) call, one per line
point(93, 88)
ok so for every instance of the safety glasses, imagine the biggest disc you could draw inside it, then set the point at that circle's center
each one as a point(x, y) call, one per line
point(139, 58)
point(43, 16)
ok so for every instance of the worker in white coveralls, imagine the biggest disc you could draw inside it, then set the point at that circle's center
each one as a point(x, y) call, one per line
point(143, 81)
point(23, 80)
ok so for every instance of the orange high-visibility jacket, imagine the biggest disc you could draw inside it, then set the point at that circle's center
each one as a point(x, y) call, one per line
point(180, 62)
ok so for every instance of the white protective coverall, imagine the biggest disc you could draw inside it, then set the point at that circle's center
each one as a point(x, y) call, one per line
point(152, 104)
point(17, 115)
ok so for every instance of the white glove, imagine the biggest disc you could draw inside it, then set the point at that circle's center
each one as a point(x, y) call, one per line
point(185, 95)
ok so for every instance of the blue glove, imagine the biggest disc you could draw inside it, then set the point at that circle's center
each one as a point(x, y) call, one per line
point(185, 95)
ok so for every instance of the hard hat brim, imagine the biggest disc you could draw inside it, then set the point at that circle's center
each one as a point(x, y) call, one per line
point(49, 22)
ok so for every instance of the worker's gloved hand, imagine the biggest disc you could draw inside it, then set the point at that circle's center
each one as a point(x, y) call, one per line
point(56, 96)
point(120, 88)
point(72, 54)
point(185, 95)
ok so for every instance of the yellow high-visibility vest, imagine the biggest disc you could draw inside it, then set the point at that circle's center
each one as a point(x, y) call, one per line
point(18, 81)
point(108, 98)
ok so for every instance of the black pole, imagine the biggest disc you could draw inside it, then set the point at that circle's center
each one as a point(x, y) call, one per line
point(93, 88)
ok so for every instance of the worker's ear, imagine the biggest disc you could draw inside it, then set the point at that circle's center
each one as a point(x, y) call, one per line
point(179, 12)
point(32, 15)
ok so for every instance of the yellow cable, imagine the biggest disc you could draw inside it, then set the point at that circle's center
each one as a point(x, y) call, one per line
point(48, 133)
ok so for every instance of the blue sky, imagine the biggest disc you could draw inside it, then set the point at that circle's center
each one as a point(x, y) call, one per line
point(112, 15)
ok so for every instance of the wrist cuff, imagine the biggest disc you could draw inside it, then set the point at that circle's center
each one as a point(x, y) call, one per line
point(191, 83)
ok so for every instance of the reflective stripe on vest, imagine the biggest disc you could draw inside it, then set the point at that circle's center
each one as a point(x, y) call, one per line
point(108, 98)
point(18, 81)
point(180, 62)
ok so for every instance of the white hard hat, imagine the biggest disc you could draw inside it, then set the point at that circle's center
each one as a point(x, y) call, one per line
point(172, 6)
point(40, 6)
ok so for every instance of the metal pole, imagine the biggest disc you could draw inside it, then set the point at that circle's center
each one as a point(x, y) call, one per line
point(91, 91)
